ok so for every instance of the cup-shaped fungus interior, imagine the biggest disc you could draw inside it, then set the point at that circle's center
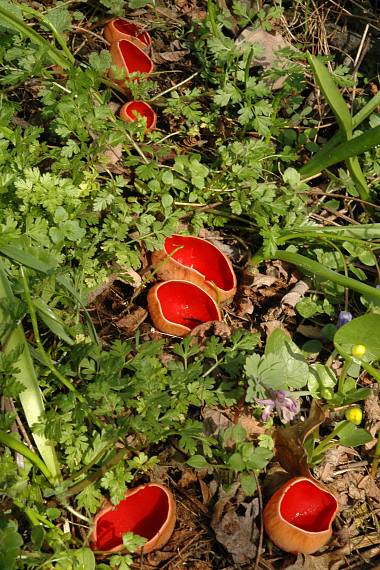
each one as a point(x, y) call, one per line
point(202, 256)
point(130, 29)
point(308, 506)
point(135, 108)
point(142, 513)
point(134, 58)
point(186, 304)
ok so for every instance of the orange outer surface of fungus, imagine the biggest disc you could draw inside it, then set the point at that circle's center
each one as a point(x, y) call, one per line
point(199, 261)
point(299, 515)
point(148, 510)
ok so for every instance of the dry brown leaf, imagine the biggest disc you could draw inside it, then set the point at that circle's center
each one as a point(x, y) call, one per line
point(171, 56)
point(261, 280)
point(295, 294)
point(128, 324)
point(188, 477)
point(237, 533)
point(372, 413)
point(371, 488)
point(309, 331)
point(252, 426)
point(270, 326)
point(289, 442)
point(270, 45)
point(309, 562)
point(334, 457)
point(214, 421)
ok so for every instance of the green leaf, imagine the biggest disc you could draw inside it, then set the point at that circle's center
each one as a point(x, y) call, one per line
point(51, 320)
point(133, 541)
point(27, 256)
point(236, 462)
point(323, 159)
point(352, 436)
point(357, 176)
point(198, 462)
point(361, 330)
point(332, 94)
point(84, 559)
point(251, 366)
point(10, 544)
point(248, 483)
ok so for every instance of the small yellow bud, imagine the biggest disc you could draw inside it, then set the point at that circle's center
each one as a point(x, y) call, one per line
point(354, 415)
point(358, 350)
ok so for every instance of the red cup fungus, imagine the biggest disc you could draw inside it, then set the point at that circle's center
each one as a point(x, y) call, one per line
point(128, 56)
point(148, 510)
point(176, 307)
point(299, 515)
point(121, 29)
point(199, 261)
point(130, 111)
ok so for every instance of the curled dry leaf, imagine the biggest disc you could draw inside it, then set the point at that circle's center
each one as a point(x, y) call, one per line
point(238, 533)
point(289, 442)
point(295, 294)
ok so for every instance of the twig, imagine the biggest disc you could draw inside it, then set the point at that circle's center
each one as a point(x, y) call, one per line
point(260, 545)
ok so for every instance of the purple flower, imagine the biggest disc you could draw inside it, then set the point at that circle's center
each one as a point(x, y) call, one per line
point(285, 406)
point(344, 317)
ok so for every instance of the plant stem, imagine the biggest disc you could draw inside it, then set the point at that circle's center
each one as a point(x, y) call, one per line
point(324, 273)
point(19, 447)
point(343, 374)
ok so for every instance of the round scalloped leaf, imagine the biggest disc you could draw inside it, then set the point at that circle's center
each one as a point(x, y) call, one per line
point(362, 330)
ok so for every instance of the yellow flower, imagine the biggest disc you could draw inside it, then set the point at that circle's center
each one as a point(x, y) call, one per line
point(354, 415)
point(358, 350)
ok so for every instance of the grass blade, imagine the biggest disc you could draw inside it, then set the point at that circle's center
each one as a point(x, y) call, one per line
point(31, 397)
point(53, 53)
point(315, 268)
point(332, 95)
point(358, 177)
point(353, 147)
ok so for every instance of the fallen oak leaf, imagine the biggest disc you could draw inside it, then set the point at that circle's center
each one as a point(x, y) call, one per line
point(289, 442)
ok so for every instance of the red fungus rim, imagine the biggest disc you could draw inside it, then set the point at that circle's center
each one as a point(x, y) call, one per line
point(184, 303)
point(130, 29)
point(305, 504)
point(144, 512)
point(136, 108)
point(203, 257)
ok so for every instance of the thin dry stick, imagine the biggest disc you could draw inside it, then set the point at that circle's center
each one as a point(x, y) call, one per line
point(261, 538)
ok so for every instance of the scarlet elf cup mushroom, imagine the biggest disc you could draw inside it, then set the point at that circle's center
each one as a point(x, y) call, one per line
point(148, 510)
point(199, 261)
point(131, 58)
point(298, 517)
point(122, 29)
point(176, 307)
point(130, 111)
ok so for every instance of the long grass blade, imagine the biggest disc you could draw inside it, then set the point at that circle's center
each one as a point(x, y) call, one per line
point(353, 147)
point(52, 52)
point(332, 95)
point(31, 397)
